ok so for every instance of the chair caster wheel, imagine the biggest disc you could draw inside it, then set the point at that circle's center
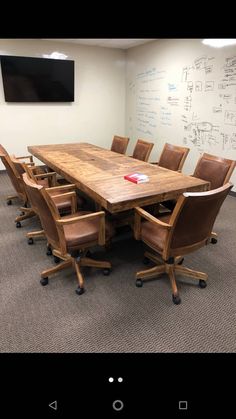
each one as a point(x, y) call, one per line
point(56, 259)
point(106, 271)
point(146, 260)
point(30, 241)
point(9, 202)
point(202, 283)
point(213, 240)
point(18, 224)
point(79, 291)
point(139, 283)
point(49, 252)
point(176, 299)
point(44, 281)
point(180, 262)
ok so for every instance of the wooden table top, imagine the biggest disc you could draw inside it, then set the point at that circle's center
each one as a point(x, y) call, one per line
point(100, 174)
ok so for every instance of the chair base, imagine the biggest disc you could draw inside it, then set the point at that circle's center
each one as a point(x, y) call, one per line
point(213, 238)
point(77, 263)
point(10, 197)
point(30, 236)
point(26, 213)
point(171, 269)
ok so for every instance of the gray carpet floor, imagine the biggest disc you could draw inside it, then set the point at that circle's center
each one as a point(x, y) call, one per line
point(114, 315)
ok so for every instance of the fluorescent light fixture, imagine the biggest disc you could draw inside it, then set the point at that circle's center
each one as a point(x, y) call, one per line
point(219, 43)
point(56, 55)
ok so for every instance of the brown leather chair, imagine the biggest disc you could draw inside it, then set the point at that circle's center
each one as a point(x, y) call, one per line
point(173, 157)
point(217, 171)
point(142, 150)
point(71, 236)
point(18, 185)
point(214, 169)
point(46, 179)
point(13, 175)
point(187, 229)
point(49, 180)
point(119, 144)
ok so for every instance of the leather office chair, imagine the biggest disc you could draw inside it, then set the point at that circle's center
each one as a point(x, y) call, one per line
point(187, 229)
point(18, 185)
point(217, 171)
point(47, 179)
point(71, 236)
point(214, 169)
point(173, 157)
point(12, 175)
point(119, 144)
point(142, 150)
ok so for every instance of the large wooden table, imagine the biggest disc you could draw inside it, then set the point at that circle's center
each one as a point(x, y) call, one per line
point(100, 174)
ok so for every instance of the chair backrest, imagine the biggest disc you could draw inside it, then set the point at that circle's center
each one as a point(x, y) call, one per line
point(33, 170)
point(173, 157)
point(193, 219)
point(119, 144)
point(14, 176)
point(142, 150)
point(19, 166)
point(216, 170)
point(3, 151)
point(37, 196)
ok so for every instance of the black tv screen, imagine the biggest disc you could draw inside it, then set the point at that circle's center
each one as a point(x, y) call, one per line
point(27, 79)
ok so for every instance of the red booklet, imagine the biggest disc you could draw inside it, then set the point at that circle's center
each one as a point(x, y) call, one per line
point(137, 177)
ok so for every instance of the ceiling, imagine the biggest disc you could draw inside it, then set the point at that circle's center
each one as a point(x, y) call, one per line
point(110, 43)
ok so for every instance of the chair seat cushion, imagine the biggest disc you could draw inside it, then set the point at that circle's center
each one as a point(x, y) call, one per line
point(153, 234)
point(84, 231)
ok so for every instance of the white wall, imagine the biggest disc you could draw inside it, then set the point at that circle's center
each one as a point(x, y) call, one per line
point(182, 92)
point(97, 113)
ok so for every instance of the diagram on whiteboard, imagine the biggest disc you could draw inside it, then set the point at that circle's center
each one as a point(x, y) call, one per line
point(193, 104)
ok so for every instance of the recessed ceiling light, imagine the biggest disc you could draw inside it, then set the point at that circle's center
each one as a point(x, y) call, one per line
point(219, 43)
point(56, 55)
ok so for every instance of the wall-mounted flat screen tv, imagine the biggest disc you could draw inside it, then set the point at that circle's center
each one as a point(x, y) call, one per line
point(28, 79)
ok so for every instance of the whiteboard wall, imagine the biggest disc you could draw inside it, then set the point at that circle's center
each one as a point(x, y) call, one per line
point(184, 93)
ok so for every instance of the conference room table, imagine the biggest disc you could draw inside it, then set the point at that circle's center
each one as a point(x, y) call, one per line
point(99, 173)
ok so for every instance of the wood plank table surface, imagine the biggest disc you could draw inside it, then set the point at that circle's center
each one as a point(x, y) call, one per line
point(99, 173)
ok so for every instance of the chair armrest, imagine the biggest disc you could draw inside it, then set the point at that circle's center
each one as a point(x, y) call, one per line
point(30, 164)
point(61, 188)
point(25, 157)
point(99, 214)
point(141, 213)
point(71, 196)
point(50, 175)
point(149, 217)
point(37, 170)
point(81, 217)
